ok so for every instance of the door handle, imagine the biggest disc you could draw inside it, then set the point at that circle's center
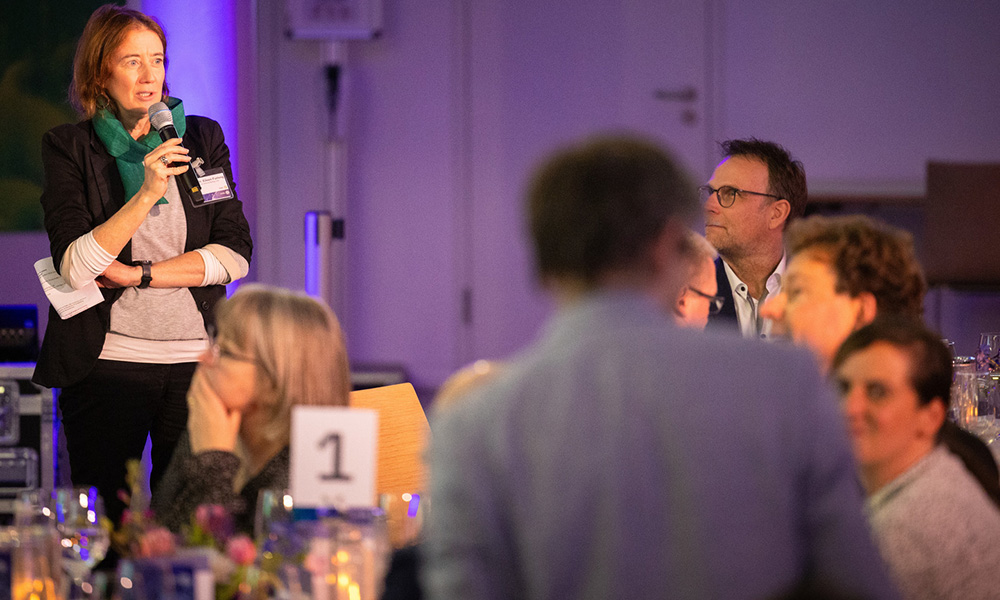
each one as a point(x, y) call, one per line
point(685, 94)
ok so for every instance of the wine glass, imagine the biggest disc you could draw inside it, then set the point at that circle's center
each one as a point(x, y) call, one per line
point(78, 513)
point(991, 398)
point(405, 514)
point(284, 539)
point(988, 356)
point(985, 410)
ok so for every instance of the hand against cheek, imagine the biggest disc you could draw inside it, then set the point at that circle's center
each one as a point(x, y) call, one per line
point(118, 275)
point(211, 426)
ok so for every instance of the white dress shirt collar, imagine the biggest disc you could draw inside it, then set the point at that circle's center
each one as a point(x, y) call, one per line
point(747, 308)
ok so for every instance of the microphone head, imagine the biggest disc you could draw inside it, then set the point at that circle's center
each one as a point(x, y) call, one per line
point(160, 116)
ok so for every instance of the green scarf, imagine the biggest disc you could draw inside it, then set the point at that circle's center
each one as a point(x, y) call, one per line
point(129, 152)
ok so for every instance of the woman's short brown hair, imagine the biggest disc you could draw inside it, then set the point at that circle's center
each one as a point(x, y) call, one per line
point(866, 256)
point(104, 33)
point(930, 369)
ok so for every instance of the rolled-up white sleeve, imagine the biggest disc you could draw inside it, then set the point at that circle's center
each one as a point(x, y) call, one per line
point(84, 260)
point(222, 265)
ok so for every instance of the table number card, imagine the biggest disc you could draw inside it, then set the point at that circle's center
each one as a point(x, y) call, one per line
point(333, 453)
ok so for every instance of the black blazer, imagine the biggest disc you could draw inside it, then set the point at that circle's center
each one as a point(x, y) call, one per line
point(725, 319)
point(83, 189)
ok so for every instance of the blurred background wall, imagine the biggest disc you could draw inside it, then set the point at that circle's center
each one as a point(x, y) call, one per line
point(422, 138)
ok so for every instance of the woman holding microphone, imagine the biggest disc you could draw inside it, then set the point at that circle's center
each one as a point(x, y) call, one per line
point(115, 216)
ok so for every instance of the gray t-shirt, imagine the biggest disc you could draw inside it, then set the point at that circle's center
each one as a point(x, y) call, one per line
point(162, 314)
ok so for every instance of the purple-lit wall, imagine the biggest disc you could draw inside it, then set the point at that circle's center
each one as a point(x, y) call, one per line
point(201, 50)
point(456, 100)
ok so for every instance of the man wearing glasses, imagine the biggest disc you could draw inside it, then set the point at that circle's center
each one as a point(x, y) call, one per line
point(608, 459)
point(697, 299)
point(753, 194)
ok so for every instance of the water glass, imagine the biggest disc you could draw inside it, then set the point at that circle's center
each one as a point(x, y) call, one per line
point(963, 364)
point(8, 537)
point(286, 537)
point(360, 555)
point(74, 515)
point(37, 574)
point(964, 400)
point(85, 541)
point(405, 513)
point(989, 400)
point(322, 552)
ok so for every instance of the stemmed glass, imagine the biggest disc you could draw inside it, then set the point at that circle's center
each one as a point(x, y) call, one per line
point(78, 513)
point(405, 515)
point(990, 398)
point(985, 412)
point(988, 356)
point(75, 514)
point(284, 541)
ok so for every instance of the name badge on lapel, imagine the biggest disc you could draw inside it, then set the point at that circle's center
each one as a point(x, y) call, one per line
point(214, 184)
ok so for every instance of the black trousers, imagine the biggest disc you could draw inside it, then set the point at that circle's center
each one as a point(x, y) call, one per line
point(107, 417)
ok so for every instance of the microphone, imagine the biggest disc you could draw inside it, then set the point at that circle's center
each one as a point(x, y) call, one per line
point(162, 120)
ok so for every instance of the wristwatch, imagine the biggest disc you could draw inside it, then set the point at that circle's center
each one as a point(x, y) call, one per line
point(147, 274)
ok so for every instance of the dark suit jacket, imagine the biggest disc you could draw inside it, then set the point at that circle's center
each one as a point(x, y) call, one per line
point(84, 189)
point(725, 320)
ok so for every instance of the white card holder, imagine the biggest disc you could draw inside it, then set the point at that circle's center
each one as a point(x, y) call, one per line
point(333, 453)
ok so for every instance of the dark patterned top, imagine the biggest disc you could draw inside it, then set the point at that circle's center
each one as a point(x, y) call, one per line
point(207, 478)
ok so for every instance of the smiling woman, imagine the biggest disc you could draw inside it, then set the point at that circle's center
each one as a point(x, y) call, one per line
point(934, 525)
point(115, 218)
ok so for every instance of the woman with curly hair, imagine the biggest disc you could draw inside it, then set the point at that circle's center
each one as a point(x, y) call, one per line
point(842, 272)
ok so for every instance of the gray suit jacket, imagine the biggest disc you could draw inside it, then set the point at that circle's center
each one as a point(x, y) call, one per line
point(621, 457)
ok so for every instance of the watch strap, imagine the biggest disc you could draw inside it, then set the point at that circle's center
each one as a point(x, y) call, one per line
point(147, 274)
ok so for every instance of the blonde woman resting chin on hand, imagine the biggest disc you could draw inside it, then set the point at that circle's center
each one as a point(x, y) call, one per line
point(274, 349)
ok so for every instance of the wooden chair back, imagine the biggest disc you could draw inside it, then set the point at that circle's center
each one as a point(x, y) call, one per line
point(402, 435)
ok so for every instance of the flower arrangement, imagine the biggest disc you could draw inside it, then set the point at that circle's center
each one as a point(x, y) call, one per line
point(138, 535)
point(232, 557)
point(343, 552)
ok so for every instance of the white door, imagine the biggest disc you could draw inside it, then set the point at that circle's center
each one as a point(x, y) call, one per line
point(542, 74)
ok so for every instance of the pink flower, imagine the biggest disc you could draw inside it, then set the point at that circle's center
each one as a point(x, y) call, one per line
point(214, 519)
point(316, 564)
point(241, 550)
point(158, 541)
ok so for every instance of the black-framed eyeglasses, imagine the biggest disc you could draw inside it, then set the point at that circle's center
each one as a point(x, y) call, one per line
point(218, 351)
point(727, 194)
point(715, 302)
